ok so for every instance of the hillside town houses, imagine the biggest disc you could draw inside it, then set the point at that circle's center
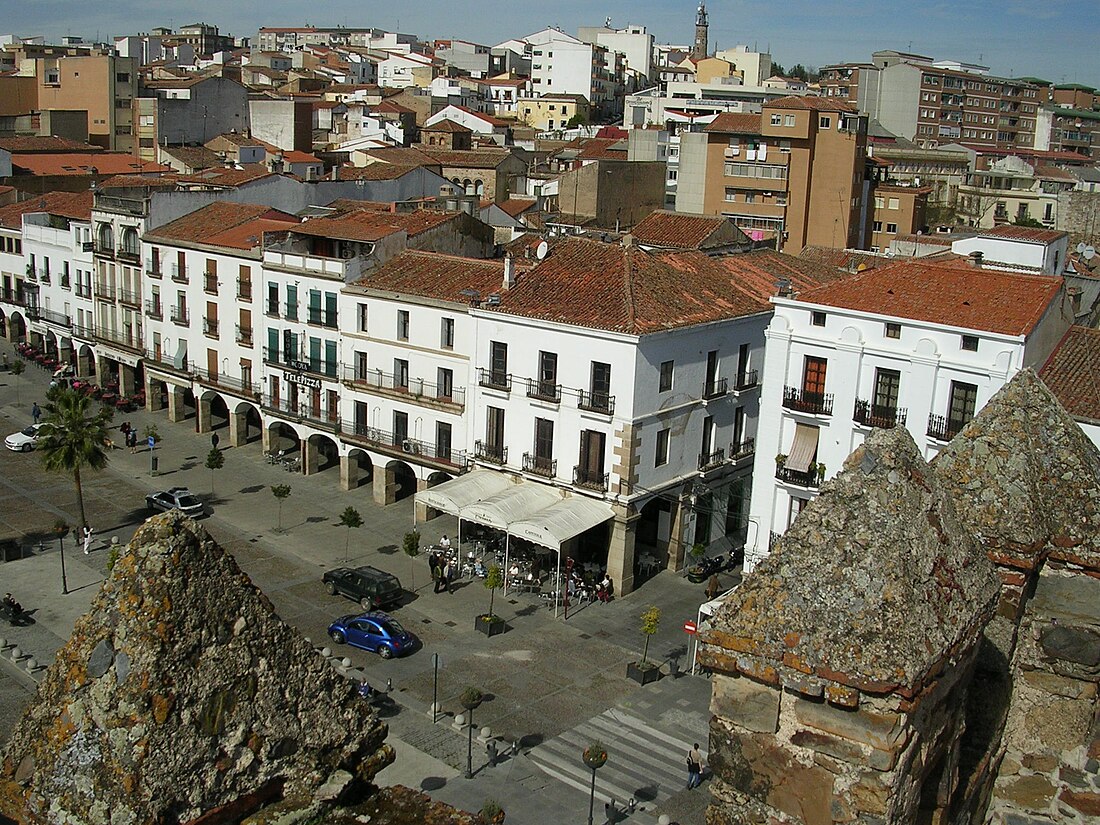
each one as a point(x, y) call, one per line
point(623, 300)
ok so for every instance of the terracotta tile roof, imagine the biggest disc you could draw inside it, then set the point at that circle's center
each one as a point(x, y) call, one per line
point(75, 205)
point(626, 289)
point(223, 176)
point(433, 275)
point(371, 225)
point(294, 156)
point(493, 121)
point(33, 144)
point(447, 125)
point(601, 148)
point(146, 181)
point(197, 157)
point(848, 259)
point(735, 122)
point(388, 107)
point(223, 224)
point(376, 171)
point(959, 296)
point(1023, 233)
point(468, 159)
point(73, 163)
point(677, 229)
point(811, 102)
point(401, 156)
point(516, 206)
point(1071, 373)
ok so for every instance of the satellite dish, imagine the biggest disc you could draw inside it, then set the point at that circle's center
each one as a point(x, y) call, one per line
point(1089, 253)
point(541, 250)
point(1080, 248)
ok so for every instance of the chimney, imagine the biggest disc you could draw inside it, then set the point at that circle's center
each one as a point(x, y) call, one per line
point(628, 241)
point(783, 288)
point(509, 272)
point(976, 259)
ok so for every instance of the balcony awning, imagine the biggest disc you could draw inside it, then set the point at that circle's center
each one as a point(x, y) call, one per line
point(803, 449)
point(451, 496)
point(516, 503)
point(562, 521)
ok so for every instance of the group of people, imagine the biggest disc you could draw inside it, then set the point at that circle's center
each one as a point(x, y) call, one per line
point(11, 605)
point(579, 590)
point(442, 567)
point(130, 436)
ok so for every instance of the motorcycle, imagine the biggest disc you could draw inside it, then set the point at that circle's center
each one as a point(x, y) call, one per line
point(705, 568)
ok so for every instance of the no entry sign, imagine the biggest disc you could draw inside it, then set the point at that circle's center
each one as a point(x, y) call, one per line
point(690, 627)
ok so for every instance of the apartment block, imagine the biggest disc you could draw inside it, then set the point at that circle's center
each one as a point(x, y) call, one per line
point(898, 210)
point(103, 85)
point(562, 64)
point(935, 102)
point(794, 172)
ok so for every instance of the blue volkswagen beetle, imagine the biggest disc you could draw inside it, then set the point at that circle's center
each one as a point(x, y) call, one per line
point(377, 632)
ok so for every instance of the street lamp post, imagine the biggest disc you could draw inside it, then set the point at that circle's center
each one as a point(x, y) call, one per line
point(594, 757)
point(61, 528)
point(470, 699)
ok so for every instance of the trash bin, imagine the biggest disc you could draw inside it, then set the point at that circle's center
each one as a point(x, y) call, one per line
point(155, 463)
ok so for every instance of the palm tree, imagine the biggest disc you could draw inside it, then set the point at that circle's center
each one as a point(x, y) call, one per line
point(73, 437)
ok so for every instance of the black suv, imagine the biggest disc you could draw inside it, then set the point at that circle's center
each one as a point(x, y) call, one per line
point(371, 587)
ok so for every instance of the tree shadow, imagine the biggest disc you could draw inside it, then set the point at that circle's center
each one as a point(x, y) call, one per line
point(189, 465)
point(432, 783)
point(387, 549)
point(531, 740)
point(529, 610)
point(255, 488)
point(647, 793)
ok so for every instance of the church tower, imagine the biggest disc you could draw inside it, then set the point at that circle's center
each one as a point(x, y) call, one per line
point(699, 50)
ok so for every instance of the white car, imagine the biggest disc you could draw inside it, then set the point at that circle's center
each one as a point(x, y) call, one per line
point(25, 440)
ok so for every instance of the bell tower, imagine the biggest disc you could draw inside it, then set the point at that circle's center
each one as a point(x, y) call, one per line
point(699, 50)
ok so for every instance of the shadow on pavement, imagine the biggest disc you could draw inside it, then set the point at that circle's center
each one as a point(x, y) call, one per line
point(388, 549)
point(255, 488)
point(432, 783)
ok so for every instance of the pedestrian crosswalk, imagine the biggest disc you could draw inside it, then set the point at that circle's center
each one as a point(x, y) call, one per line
point(644, 763)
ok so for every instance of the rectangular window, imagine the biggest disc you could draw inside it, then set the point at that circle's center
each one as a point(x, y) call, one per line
point(788, 120)
point(361, 366)
point(291, 302)
point(660, 457)
point(893, 330)
point(548, 375)
point(494, 428)
point(970, 343)
point(362, 327)
point(544, 443)
point(400, 428)
point(666, 376)
point(964, 400)
point(776, 120)
point(273, 299)
point(590, 471)
point(331, 358)
point(817, 318)
point(443, 441)
point(314, 306)
point(315, 354)
point(601, 384)
point(891, 229)
point(445, 383)
point(447, 333)
point(498, 362)
point(893, 203)
point(824, 122)
point(813, 377)
point(330, 310)
point(877, 226)
point(402, 325)
point(887, 386)
point(400, 373)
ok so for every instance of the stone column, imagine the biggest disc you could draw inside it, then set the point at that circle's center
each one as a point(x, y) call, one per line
point(349, 473)
point(311, 457)
point(422, 512)
point(176, 410)
point(620, 555)
point(265, 435)
point(677, 547)
point(101, 370)
point(203, 409)
point(153, 399)
point(84, 362)
point(126, 379)
point(238, 428)
point(385, 486)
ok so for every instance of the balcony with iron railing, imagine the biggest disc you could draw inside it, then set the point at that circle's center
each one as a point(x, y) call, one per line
point(84, 330)
point(154, 310)
point(244, 335)
point(129, 297)
point(302, 410)
point(943, 428)
point(244, 290)
point(179, 315)
point(235, 385)
point(130, 253)
point(742, 449)
point(152, 268)
point(404, 387)
point(746, 380)
point(493, 453)
point(210, 283)
point(401, 445)
point(878, 415)
point(210, 327)
point(543, 391)
point(271, 308)
point(714, 388)
point(179, 273)
point(539, 466)
point(494, 380)
point(589, 479)
point(50, 316)
point(290, 311)
point(321, 317)
point(128, 338)
point(712, 460)
point(31, 273)
point(107, 250)
point(814, 403)
point(599, 402)
point(799, 478)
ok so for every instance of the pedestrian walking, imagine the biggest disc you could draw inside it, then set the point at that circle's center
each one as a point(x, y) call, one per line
point(132, 438)
point(214, 440)
point(437, 571)
point(712, 587)
point(36, 412)
point(448, 574)
point(695, 767)
point(87, 540)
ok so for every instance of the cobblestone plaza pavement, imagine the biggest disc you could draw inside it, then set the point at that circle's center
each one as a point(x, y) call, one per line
point(551, 685)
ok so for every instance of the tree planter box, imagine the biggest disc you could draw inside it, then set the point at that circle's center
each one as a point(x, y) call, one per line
point(490, 628)
point(643, 675)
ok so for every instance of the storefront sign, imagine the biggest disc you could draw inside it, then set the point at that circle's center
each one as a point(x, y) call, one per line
point(302, 380)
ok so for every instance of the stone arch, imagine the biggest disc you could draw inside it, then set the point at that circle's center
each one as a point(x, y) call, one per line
point(322, 452)
point(653, 534)
point(438, 477)
point(3, 323)
point(479, 187)
point(128, 241)
point(402, 477)
point(18, 327)
point(213, 411)
point(467, 186)
point(357, 469)
point(245, 424)
point(85, 362)
point(282, 437)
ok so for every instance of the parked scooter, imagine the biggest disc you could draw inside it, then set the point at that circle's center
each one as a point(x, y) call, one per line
point(705, 568)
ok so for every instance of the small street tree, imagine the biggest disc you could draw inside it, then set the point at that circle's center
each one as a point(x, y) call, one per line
point(152, 432)
point(17, 368)
point(281, 493)
point(651, 620)
point(351, 519)
point(74, 438)
point(215, 460)
point(494, 580)
point(411, 545)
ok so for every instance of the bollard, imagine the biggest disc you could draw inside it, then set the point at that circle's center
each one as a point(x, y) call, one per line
point(32, 665)
point(484, 735)
point(434, 710)
point(326, 652)
point(16, 653)
point(345, 662)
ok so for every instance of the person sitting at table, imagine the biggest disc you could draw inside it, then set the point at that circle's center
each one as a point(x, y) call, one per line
point(604, 588)
point(445, 543)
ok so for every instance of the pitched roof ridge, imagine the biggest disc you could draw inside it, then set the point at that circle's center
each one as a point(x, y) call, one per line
point(628, 286)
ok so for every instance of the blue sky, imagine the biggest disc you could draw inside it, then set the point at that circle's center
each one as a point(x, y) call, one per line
point(1054, 39)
